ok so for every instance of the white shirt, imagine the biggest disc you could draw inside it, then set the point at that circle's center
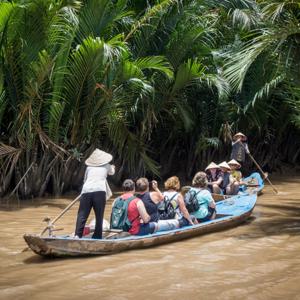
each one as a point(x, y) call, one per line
point(95, 179)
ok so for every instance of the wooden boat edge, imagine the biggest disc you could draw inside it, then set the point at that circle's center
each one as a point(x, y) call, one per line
point(54, 247)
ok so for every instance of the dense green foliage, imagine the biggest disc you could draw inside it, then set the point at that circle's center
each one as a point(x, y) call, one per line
point(160, 84)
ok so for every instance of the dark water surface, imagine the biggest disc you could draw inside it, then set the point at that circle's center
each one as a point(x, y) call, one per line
point(258, 260)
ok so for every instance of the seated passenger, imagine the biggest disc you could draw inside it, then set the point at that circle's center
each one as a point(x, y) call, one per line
point(137, 214)
point(235, 172)
point(151, 201)
point(214, 177)
point(172, 186)
point(207, 206)
point(229, 186)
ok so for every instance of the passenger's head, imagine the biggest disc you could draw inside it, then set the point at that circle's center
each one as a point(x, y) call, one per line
point(212, 168)
point(128, 186)
point(172, 183)
point(200, 180)
point(234, 165)
point(224, 167)
point(142, 185)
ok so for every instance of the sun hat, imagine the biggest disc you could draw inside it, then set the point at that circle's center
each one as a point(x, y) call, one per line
point(224, 165)
point(212, 165)
point(234, 162)
point(98, 158)
point(239, 134)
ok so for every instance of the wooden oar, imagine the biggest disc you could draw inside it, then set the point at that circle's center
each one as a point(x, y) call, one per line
point(55, 219)
point(51, 223)
point(252, 158)
point(260, 169)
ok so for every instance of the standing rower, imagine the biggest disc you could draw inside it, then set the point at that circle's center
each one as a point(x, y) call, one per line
point(239, 147)
point(95, 191)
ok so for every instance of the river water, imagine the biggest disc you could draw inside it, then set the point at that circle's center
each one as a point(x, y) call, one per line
point(257, 260)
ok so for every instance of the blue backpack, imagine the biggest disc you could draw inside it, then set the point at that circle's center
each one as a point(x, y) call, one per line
point(119, 214)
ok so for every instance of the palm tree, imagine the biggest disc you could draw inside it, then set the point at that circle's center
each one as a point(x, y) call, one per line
point(262, 71)
point(156, 83)
point(66, 93)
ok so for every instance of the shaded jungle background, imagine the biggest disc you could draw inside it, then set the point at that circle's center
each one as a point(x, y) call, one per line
point(159, 84)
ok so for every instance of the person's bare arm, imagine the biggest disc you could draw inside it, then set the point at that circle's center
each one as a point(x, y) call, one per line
point(183, 209)
point(232, 179)
point(212, 202)
point(237, 141)
point(85, 176)
point(246, 148)
point(218, 182)
point(156, 196)
point(112, 170)
point(142, 211)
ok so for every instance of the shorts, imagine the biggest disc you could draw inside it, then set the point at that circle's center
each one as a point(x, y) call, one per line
point(146, 228)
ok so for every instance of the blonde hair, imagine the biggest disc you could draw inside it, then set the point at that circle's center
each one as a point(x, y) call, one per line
point(200, 180)
point(142, 184)
point(172, 183)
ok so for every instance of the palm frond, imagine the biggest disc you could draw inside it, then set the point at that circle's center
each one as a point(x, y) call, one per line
point(265, 91)
point(158, 63)
point(239, 63)
point(244, 18)
point(278, 9)
point(186, 73)
point(155, 12)
point(8, 150)
point(99, 18)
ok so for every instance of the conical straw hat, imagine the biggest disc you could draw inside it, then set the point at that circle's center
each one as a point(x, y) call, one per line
point(234, 162)
point(241, 135)
point(225, 165)
point(98, 158)
point(212, 165)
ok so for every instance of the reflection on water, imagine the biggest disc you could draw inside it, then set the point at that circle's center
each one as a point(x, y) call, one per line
point(258, 260)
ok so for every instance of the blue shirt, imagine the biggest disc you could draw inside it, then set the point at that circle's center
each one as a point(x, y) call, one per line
point(204, 199)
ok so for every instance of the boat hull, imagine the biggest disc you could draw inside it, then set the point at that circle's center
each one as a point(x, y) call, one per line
point(231, 212)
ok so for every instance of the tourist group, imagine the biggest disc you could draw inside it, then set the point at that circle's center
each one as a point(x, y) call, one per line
point(143, 209)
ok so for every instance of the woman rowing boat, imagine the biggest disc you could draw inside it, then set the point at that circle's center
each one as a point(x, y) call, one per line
point(239, 147)
point(95, 191)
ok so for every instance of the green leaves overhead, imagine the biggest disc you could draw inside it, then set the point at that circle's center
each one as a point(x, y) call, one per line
point(153, 82)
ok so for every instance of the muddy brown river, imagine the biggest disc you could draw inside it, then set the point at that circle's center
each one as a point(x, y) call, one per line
point(257, 260)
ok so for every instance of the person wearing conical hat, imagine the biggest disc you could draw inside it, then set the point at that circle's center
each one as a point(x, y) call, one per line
point(214, 177)
point(235, 172)
point(239, 147)
point(229, 186)
point(235, 175)
point(95, 191)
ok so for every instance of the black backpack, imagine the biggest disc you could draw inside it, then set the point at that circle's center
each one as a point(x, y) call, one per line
point(167, 208)
point(191, 201)
point(119, 214)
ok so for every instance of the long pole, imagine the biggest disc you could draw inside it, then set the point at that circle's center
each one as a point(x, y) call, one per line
point(265, 177)
point(255, 162)
point(61, 214)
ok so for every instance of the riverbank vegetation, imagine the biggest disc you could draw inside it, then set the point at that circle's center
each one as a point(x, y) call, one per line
point(159, 84)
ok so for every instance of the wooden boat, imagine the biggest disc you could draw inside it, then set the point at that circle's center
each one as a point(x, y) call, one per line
point(230, 212)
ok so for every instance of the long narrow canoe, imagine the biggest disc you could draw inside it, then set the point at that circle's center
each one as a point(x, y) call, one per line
point(255, 184)
point(230, 213)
